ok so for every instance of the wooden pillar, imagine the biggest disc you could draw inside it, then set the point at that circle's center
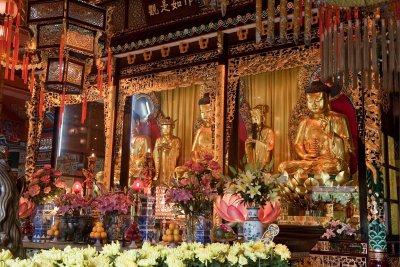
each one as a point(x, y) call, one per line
point(126, 144)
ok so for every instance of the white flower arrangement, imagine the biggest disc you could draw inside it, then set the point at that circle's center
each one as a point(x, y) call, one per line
point(196, 254)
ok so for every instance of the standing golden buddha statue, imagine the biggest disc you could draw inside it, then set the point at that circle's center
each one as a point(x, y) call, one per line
point(260, 143)
point(323, 141)
point(202, 143)
point(140, 145)
point(166, 152)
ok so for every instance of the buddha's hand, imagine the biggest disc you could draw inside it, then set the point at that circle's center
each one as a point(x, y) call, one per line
point(310, 156)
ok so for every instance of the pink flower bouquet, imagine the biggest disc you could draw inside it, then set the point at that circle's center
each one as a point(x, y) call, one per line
point(71, 203)
point(112, 202)
point(44, 186)
point(194, 193)
point(339, 230)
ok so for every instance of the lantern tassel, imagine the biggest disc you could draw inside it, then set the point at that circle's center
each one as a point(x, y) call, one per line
point(84, 108)
point(60, 59)
point(8, 48)
point(15, 53)
point(61, 109)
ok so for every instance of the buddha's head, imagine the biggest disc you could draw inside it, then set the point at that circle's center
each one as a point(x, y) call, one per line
point(206, 108)
point(318, 97)
point(166, 125)
point(259, 114)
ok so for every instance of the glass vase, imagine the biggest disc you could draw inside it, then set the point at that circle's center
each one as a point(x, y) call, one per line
point(191, 228)
point(252, 227)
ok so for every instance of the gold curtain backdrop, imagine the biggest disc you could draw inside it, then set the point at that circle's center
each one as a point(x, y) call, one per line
point(279, 91)
point(181, 104)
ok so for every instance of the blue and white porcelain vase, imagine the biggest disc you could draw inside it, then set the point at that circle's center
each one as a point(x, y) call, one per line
point(252, 227)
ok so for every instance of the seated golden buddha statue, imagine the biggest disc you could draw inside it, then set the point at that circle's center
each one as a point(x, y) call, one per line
point(323, 141)
point(140, 145)
point(260, 143)
point(202, 143)
point(166, 153)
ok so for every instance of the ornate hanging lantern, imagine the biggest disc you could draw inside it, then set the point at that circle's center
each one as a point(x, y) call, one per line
point(68, 34)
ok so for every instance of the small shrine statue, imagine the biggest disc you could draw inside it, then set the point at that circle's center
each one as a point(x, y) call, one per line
point(10, 190)
point(166, 152)
point(202, 143)
point(140, 145)
point(100, 186)
point(260, 143)
point(323, 141)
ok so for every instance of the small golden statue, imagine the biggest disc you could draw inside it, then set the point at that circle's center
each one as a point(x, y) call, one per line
point(260, 143)
point(140, 145)
point(323, 141)
point(166, 153)
point(202, 143)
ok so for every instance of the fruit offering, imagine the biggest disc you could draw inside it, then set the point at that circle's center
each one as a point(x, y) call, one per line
point(223, 233)
point(98, 231)
point(172, 234)
point(54, 231)
point(132, 233)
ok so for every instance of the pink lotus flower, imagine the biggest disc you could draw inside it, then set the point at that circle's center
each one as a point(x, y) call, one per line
point(34, 190)
point(231, 208)
point(47, 167)
point(26, 208)
point(47, 189)
point(197, 167)
point(45, 179)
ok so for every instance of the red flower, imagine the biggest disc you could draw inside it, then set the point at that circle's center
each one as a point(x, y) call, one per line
point(47, 167)
point(47, 189)
point(34, 190)
point(45, 179)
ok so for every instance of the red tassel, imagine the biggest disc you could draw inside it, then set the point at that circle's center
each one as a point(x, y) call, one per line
point(24, 68)
point(109, 68)
point(355, 13)
point(2, 38)
point(7, 7)
point(84, 108)
point(11, 8)
point(41, 96)
point(8, 49)
point(301, 12)
point(329, 19)
point(337, 16)
point(349, 14)
point(61, 109)
point(99, 82)
point(15, 53)
point(61, 59)
point(32, 81)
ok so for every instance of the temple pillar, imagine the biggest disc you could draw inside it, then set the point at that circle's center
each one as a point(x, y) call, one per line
point(109, 116)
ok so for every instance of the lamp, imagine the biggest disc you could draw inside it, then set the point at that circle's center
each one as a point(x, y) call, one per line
point(68, 34)
point(77, 187)
point(137, 185)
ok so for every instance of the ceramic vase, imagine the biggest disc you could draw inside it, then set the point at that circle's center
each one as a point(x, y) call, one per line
point(252, 227)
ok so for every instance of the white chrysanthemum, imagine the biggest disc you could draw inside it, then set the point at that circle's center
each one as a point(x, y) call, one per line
point(5, 255)
point(232, 259)
point(110, 250)
point(243, 260)
point(282, 251)
point(100, 261)
point(128, 258)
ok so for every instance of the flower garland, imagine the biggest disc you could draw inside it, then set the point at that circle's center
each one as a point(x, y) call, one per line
point(196, 254)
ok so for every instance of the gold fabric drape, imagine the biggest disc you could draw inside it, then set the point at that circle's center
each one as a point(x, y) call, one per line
point(181, 104)
point(279, 91)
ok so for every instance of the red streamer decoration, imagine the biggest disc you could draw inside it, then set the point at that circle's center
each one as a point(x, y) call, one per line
point(84, 109)
point(301, 12)
point(356, 13)
point(41, 96)
point(100, 81)
point(337, 16)
point(8, 48)
point(61, 112)
point(349, 14)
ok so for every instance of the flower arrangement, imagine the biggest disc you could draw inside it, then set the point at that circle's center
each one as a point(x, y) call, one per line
point(71, 203)
point(216, 254)
point(254, 185)
point(194, 193)
point(45, 185)
point(339, 230)
point(116, 202)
